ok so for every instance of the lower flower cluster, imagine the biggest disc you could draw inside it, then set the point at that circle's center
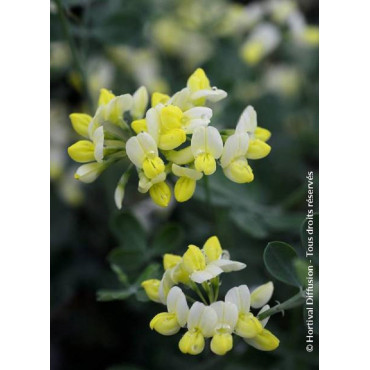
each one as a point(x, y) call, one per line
point(198, 270)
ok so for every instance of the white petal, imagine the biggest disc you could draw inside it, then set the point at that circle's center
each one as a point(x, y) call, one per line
point(199, 112)
point(214, 144)
point(236, 146)
point(227, 315)
point(247, 121)
point(262, 294)
point(145, 184)
point(181, 99)
point(228, 265)
point(119, 194)
point(122, 103)
point(153, 121)
point(213, 95)
point(265, 320)
point(89, 172)
point(194, 123)
point(240, 296)
point(165, 286)
point(198, 141)
point(208, 273)
point(186, 172)
point(98, 139)
point(203, 318)
point(176, 303)
point(140, 102)
point(135, 152)
point(147, 143)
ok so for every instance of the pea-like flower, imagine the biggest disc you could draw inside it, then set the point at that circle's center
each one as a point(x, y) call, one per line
point(169, 323)
point(172, 141)
point(201, 323)
point(207, 146)
point(210, 318)
point(227, 317)
point(208, 263)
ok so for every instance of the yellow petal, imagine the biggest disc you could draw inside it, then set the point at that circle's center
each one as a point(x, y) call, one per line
point(82, 151)
point(205, 163)
point(105, 97)
point(184, 189)
point(262, 134)
point(171, 117)
point(258, 149)
point(198, 81)
point(139, 125)
point(193, 259)
point(265, 341)
point(248, 326)
point(158, 97)
point(80, 123)
point(170, 260)
point(161, 194)
point(212, 249)
point(153, 167)
point(180, 274)
point(151, 288)
point(165, 323)
point(221, 343)
point(171, 139)
point(192, 343)
point(239, 171)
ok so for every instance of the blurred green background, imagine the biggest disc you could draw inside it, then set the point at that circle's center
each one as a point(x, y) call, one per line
point(122, 45)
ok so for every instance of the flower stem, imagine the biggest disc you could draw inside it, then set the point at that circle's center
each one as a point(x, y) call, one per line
point(294, 301)
point(195, 287)
point(75, 54)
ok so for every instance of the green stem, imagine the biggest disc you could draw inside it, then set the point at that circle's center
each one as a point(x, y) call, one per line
point(294, 301)
point(191, 299)
point(194, 286)
point(208, 289)
point(216, 287)
point(75, 55)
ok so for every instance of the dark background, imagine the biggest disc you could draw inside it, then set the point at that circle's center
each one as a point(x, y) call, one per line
point(110, 37)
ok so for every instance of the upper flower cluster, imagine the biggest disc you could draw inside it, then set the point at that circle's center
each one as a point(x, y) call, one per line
point(173, 136)
point(210, 318)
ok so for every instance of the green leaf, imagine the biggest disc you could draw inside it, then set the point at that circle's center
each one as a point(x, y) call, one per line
point(151, 272)
point(279, 260)
point(122, 277)
point(128, 260)
point(301, 267)
point(250, 223)
point(310, 237)
point(129, 232)
point(167, 239)
point(115, 295)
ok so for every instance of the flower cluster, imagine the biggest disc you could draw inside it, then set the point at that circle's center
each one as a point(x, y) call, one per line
point(174, 137)
point(198, 270)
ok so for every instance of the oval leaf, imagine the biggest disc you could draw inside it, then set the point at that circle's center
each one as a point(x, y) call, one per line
point(279, 260)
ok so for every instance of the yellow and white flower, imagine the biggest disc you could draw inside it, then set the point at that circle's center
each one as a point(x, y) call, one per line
point(207, 146)
point(257, 147)
point(264, 340)
point(201, 90)
point(140, 101)
point(227, 317)
point(262, 294)
point(158, 189)
point(143, 153)
point(169, 125)
point(206, 264)
point(201, 324)
point(185, 185)
point(247, 326)
point(169, 323)
point(233, 160)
